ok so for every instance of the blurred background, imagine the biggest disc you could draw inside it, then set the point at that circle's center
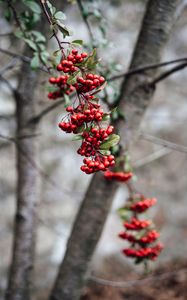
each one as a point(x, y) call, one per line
point(161, 172)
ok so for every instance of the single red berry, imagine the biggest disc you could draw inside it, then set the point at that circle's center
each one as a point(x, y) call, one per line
point(52, 80)
point(59, 67)
point(74, 51)
point(84, 54)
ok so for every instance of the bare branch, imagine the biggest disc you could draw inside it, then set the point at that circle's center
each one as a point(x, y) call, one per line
point(123, 284)
point(151, 158)
point(163, 142)
point(166, 74)
point(85, 19)
point(146, 68)
point(23, 58)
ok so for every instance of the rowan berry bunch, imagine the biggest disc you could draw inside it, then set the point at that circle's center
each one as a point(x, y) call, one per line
point(85, 117)
point(118, 176)
point(141, 233)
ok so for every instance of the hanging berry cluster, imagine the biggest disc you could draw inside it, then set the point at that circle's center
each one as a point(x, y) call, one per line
point(140, 232)
point(85, 117)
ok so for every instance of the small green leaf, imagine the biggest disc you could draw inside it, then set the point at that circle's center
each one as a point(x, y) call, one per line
point(72, 79)
point(60, 15)
point(106, 117)
point(77, 138)
point(33, 6)
point(66, 100)
point(18, 34)
point(110, 142)
point(44, 56)
point(65, 31)
point(92, 61)
point(8, 14)
point(78, 42)
point(51, 8)
point(35, 62)
point(52, 89)
point(39, 37)
point(31, 44)
point(105, 152)
point(124, 213)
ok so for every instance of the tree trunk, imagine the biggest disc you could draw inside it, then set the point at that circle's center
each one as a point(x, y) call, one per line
point(19, 284)
point(134, 99)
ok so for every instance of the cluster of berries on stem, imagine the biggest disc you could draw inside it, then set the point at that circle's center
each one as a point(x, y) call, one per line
point(141, 233)
point(85, 117)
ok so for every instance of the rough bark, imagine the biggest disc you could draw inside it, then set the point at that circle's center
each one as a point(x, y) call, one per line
point(27, 189)
point(135, 97)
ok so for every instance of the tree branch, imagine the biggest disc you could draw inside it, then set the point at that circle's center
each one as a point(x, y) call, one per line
point(85, 19)
point(23, 58)
point(163, 142)
point(166, 74)
point(146, 68)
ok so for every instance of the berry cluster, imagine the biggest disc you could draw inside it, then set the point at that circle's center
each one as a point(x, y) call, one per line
point(119, 176)
point(142, 232)
point(150, 237)
point(62, 87)
point(143, 205)
point(85, 115)
point(91, 82)
point(136, 224)
point(71, 63)
point(144, 253)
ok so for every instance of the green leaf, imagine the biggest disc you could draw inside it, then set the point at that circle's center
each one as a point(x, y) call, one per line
point(18, 34)
point(8, 14)
point(33, 6)
point(60, 15)
point(66, 100)
point(65, 31)
point(72, 79)
point(77, 138)
point(39, 37)
point(106, 117)
point(97, 14)
point(44, 56)
point(51, 8)
point(31, 44)
point(35, 62)
point(78, 42)
point(105, 152)
point(124, 213)
point(52, 89)
point(110, 142)
point(92, 61)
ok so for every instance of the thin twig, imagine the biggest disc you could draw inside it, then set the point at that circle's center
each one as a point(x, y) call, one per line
point(85, 19)
point(146, 68)
point(8, 66)
point(45, 111)
point(23, 58)
point(163, 142)
point(43, 5)
point(121, 284)
point(151, 158)
point(7, 83)
point(166, 74)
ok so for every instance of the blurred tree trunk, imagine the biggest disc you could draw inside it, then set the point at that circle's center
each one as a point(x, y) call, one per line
point(134, 99)
point(19, 284)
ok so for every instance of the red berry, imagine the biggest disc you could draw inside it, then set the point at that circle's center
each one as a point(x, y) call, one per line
point(52, 80)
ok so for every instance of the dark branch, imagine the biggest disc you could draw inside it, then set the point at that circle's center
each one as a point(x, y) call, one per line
point(146, 68)
point(85, 19)
point(166, 74)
